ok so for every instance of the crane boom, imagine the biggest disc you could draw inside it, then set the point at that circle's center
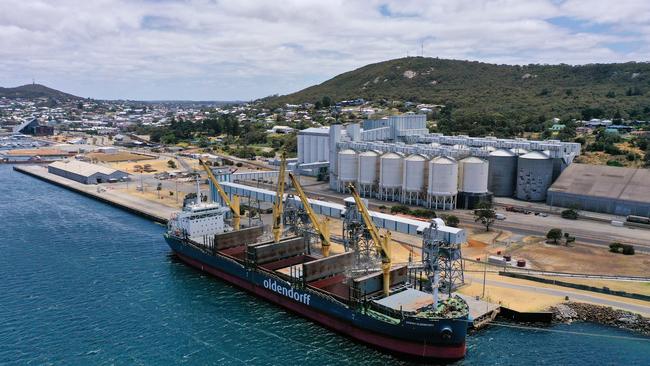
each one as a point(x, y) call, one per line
point(233, 205)
point(279, 198)
point(321, 228)
point(382, 243)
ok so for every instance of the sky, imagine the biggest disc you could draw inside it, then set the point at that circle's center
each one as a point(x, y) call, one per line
point(246, 49)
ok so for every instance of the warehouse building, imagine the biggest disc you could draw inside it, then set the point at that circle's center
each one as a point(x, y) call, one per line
point(85, 173)
point(600, 188)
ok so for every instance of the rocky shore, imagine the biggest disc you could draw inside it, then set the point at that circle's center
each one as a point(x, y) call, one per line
point(574, 311)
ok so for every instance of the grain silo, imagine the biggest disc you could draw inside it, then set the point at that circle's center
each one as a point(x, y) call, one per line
point(534, 176)
point(473, 182)
point(413, 178)
point(502, 173)
point(442, 186)
point(390, 175)
point(347, 164)
point(368, 172)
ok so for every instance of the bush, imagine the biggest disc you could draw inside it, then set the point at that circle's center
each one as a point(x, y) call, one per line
point(239, 165)
point(614, 163)
point(424, 213)
point(570, 214)
point(400, 209)
point(452, 220)
point(625, 249)
point(615, 247)
point(628, 249)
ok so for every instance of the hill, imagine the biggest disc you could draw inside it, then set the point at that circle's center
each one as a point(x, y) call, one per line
point(595, 90)
point(30, 91)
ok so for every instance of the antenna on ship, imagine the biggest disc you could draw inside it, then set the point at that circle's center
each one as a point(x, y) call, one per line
point(198, 190)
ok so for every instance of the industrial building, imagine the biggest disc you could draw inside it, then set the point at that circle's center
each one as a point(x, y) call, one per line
point(397, 159)
point(33, 127)
point(85, 173)
point(601, 188)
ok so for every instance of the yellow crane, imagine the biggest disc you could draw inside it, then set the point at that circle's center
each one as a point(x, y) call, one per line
point(279, 198)
point(233, 205)
point(321, 227)
point(382, 243)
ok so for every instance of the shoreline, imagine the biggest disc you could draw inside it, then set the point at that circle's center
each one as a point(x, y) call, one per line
point(148, 210)
point(569, 312)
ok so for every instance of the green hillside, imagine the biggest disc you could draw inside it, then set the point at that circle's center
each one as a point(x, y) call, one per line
point(31, 91)
point(596, 90)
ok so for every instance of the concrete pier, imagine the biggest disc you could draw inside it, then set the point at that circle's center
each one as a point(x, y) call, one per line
point(146, 208)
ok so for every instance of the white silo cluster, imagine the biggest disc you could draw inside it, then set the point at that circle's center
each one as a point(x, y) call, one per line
point(396, 161)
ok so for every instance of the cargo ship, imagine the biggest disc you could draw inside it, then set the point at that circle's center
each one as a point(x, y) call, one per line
point(323, 289)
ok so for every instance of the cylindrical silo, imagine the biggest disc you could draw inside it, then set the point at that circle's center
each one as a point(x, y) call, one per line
point(442, 183)
point(390, 175)
point(473, 182)
point(502, 173)
point(413, 178)
point(474, 175)
point(534, 176)
point(368, 167)
point(347, 164)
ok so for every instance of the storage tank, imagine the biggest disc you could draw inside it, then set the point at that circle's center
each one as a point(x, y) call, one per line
point(390, 175)
point(502, 173)
point(473, 175)
point(347, 166)
point(413, 178)
point(534, 176)
point(442, 183)
point(473, 183)
point(368, 166)
point(443, 176)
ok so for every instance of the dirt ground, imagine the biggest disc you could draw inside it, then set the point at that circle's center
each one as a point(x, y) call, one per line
point(159, 165)
point(513, 299)
point(118, 157)
point(582, 259)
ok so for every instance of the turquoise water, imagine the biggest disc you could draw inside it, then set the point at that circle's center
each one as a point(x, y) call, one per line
point(83, 283)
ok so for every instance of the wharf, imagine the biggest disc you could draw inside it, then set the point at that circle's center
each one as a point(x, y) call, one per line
point(146, 208)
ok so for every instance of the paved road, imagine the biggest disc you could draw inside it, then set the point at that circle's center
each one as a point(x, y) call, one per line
point(586, 232)
point(571, 294)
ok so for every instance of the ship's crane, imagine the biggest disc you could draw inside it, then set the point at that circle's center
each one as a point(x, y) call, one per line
point(382, 243)
point(320, 227)
point(278, 206)
point(233, 205)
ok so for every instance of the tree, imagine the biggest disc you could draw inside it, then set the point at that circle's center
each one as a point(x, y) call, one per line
point(554, 234)
point(326, 101)
point(171, 164)
point(485, 214)
point(452, 220)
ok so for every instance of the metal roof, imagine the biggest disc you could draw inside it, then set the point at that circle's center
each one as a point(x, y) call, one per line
point(628, 184)
point(83, 168)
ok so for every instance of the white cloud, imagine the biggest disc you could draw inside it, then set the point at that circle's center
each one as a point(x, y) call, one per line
point(201, 49)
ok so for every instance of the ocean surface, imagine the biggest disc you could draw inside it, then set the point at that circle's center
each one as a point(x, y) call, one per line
point(83, 283)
